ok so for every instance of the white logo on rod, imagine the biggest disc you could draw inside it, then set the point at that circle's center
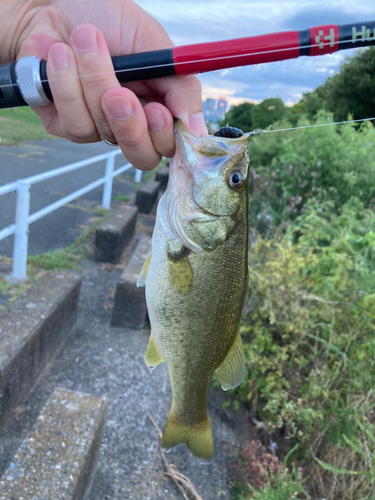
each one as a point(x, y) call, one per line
point(321, 38)
point(362, 36)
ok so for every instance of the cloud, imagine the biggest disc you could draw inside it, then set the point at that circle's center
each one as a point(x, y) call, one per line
point(345, 15)
point(285, 79)
point(215, 92)
point(199, 21)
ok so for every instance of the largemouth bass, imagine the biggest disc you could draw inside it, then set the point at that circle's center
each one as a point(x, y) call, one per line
point(196, 279)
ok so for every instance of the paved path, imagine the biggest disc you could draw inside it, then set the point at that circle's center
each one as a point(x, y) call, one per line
point(64, 226)
point(105, 361)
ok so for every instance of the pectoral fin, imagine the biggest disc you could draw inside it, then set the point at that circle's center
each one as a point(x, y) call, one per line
point(180, 272)
point(146, 266)
point(232, 370)
point(153, 357)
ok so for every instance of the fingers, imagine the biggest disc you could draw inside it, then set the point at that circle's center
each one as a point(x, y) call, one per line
point(183, 97)
point(91, 104)
point(160, 126)
point(96, 73)
point(73, 119)
point(77, 87)
point(129, 124)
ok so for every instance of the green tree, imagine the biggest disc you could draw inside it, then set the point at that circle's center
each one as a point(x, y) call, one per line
point(352, 90)
point(307, 107)
point(267, 112)
point(239, 117)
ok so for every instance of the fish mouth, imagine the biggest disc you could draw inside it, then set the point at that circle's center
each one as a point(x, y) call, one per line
point(205, 218)
point(204, 215)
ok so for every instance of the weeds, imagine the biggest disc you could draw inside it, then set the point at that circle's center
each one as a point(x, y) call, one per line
point(58, 260)
point(280, 487)
point(121, 197)
point(308, 323)
point(271, 479)
point(18, 123)
point(69, 257)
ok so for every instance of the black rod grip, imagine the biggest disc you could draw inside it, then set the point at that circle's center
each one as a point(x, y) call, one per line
point(130, 68)
point(10, 95)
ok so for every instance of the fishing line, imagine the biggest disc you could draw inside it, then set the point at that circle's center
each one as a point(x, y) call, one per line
point(317, 125)
point(182, 63)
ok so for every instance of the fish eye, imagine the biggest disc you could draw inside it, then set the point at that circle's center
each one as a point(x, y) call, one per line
point(235, 179)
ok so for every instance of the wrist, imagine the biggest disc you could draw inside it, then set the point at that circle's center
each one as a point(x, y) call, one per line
point(15, 17)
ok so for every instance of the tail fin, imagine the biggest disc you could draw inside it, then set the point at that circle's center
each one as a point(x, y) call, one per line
point(198, 439)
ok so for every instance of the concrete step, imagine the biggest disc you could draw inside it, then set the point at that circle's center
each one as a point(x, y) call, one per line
point(162, 176)
point(147, 196)
point(113, 236)
point(108, 361)
point(146, 223)
point(57, 459)
point(31, 331)
point(130, 308)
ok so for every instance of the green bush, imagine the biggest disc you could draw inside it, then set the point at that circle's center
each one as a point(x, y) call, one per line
point(308, 329)
point(281, 487)
point(308, 323)
point(331, 163)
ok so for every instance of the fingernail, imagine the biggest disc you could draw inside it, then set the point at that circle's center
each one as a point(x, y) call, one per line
point(197, 125)
point(84, 39)
point(59, 57)
point(120, 108)
point(156, 120)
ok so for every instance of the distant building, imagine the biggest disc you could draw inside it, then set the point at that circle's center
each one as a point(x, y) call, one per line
point(209, 106)
point(222, 107)
point(214, 111)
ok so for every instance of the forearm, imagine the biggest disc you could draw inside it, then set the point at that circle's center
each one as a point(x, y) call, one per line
point(15, 18)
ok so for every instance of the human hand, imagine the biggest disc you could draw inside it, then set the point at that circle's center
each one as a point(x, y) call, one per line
point(89, 102)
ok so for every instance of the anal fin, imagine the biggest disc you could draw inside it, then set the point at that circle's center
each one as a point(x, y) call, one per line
point(144, 272)
point(232, 370)
point(153, 357)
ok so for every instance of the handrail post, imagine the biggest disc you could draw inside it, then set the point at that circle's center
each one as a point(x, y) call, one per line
point(138, 175)
point(107, 191)
point(21, 236)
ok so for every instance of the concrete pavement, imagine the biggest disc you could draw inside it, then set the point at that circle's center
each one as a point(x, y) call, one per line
point(64, 226)
point(107, 361)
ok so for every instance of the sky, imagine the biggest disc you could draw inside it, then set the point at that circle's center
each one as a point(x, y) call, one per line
point(197, 21)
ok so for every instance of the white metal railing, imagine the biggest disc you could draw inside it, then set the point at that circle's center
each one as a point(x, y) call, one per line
point(23, 218)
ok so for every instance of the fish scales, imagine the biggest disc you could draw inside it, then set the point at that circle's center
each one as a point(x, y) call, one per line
point(203, 330)
point(196, 280)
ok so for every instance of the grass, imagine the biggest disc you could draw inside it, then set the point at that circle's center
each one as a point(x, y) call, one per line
point(13, 291)
point(20, 124)
point(68, 257)
point(5, 287)
point(57, 260)
point(120, 197)
point(24, 114)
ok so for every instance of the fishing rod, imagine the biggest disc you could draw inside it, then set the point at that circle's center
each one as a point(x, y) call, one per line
point(25, 82)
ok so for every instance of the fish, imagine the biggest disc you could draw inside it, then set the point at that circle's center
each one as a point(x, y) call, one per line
point(196, 277)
